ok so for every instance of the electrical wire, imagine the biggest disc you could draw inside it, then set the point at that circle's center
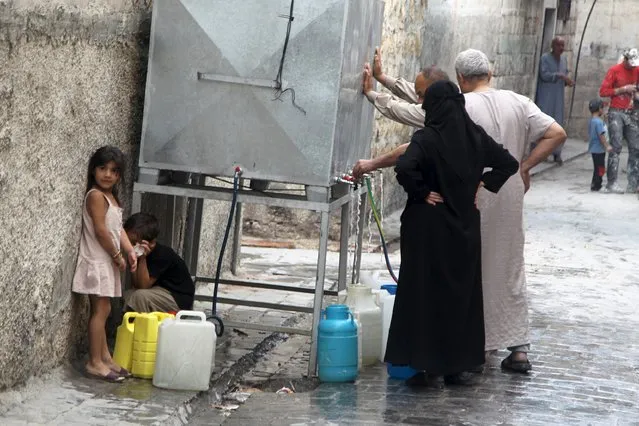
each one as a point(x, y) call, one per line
point(278, 79)
point(379, 227)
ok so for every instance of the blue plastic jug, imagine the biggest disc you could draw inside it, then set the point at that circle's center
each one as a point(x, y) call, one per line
point(395, 371)
point(337, 345)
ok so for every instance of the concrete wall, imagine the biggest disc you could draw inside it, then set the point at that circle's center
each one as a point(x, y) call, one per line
point(508, 31)
point(403, 30)
point(72, 80)
point(419, 33)
point(611, 29)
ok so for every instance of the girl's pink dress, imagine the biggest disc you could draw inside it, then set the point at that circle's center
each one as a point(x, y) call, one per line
point(96, 273)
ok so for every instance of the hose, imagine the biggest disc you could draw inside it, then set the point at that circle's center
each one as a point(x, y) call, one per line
point(379, 227)
point(236, 187)
point(583, 34)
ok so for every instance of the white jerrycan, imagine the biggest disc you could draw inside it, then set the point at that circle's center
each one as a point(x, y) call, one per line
point(185, 353)
point(369, 315)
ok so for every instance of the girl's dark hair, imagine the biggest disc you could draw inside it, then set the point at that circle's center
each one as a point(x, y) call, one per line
point(101, 157)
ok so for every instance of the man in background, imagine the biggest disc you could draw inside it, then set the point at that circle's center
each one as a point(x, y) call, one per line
point(553, 79)
point(620, 85)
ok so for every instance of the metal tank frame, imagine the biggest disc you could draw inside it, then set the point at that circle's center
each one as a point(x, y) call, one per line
point(339, 197)
point(201, 77)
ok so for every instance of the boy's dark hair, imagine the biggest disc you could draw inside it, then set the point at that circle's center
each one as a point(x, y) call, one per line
point(595, 105)
point(144, 225)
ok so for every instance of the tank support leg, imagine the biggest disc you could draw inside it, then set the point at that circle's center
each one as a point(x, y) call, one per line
point(319, 292)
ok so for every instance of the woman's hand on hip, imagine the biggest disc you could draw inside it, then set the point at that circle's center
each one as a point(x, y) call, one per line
point(434, 198)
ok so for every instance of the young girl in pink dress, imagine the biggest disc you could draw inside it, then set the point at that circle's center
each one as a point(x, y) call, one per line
point(103, 249)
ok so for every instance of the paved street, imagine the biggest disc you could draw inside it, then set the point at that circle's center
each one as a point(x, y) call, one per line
point(582, 274)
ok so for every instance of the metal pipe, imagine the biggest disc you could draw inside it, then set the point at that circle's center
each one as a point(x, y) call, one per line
point(319, 292)
point(583, 34)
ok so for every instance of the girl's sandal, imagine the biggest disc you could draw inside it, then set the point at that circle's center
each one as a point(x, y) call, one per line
point(109, 377)
point(123, 372)
point(517, 366)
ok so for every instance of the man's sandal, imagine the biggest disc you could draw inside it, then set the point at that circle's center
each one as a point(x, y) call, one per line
point(516, 366)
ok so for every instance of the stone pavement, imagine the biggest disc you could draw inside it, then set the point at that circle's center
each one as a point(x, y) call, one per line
point(581, 261)
point(67, 397)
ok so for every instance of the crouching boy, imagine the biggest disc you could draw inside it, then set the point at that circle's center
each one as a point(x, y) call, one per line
point(162, 282)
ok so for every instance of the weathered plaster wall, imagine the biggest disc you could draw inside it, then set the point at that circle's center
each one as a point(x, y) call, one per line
point(418, 33)
point(401, 47)
point(612, 28)
point(71, 81)
point(506, 30)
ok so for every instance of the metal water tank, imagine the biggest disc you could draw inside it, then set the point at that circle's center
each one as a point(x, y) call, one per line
point(211, 96)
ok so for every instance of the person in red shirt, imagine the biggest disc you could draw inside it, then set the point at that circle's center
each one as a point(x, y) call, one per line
point(620, 85)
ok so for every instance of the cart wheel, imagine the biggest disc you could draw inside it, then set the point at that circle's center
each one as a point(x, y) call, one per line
point(219, 324)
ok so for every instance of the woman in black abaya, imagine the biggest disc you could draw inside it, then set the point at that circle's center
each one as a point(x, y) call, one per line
point(438, 319)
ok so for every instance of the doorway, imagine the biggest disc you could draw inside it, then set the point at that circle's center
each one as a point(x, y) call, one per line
point(550, 23)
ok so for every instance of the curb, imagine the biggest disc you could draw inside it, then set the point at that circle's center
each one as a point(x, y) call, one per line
point(555, 165)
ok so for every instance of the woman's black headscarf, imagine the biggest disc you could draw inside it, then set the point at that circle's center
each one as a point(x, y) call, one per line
point(459, 137)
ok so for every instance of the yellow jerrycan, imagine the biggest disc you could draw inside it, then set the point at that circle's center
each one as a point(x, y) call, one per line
point(124, 340)
point(145, 341)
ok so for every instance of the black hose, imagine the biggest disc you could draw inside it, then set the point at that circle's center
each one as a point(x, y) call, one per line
point(220, 260)
point(583, 34)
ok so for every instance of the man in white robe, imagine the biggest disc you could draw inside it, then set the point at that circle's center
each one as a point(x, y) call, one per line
point(516, 122)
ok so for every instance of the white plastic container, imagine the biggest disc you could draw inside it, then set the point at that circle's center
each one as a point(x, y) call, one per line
point(185, 352)
point(387, 315)
point(360, 300)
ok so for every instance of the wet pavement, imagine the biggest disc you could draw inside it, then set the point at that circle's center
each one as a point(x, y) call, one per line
point(67, 397)
point(582, 263)
point(581, 259)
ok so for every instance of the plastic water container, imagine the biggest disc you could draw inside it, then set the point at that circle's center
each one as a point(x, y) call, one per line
point(145, 339)
point(337, 345)
point(387, 304)
point(360, 301)
point(185, 352)
point(124, 341)
point(400, 372)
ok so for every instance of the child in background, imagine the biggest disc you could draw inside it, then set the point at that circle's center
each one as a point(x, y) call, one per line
point(101, 257)
point(598, 143)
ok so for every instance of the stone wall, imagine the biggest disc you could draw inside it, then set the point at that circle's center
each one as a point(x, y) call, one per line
point(72, 80)
point(611, 29)
point(403, 30)
point(418, 33)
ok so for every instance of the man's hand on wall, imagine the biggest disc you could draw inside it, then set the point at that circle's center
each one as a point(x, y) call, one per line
point(378, 73)
point(367, 79)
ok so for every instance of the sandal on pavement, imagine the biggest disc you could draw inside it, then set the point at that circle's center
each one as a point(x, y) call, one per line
point(109, 377)
point(517, 366)
point(123, 372)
